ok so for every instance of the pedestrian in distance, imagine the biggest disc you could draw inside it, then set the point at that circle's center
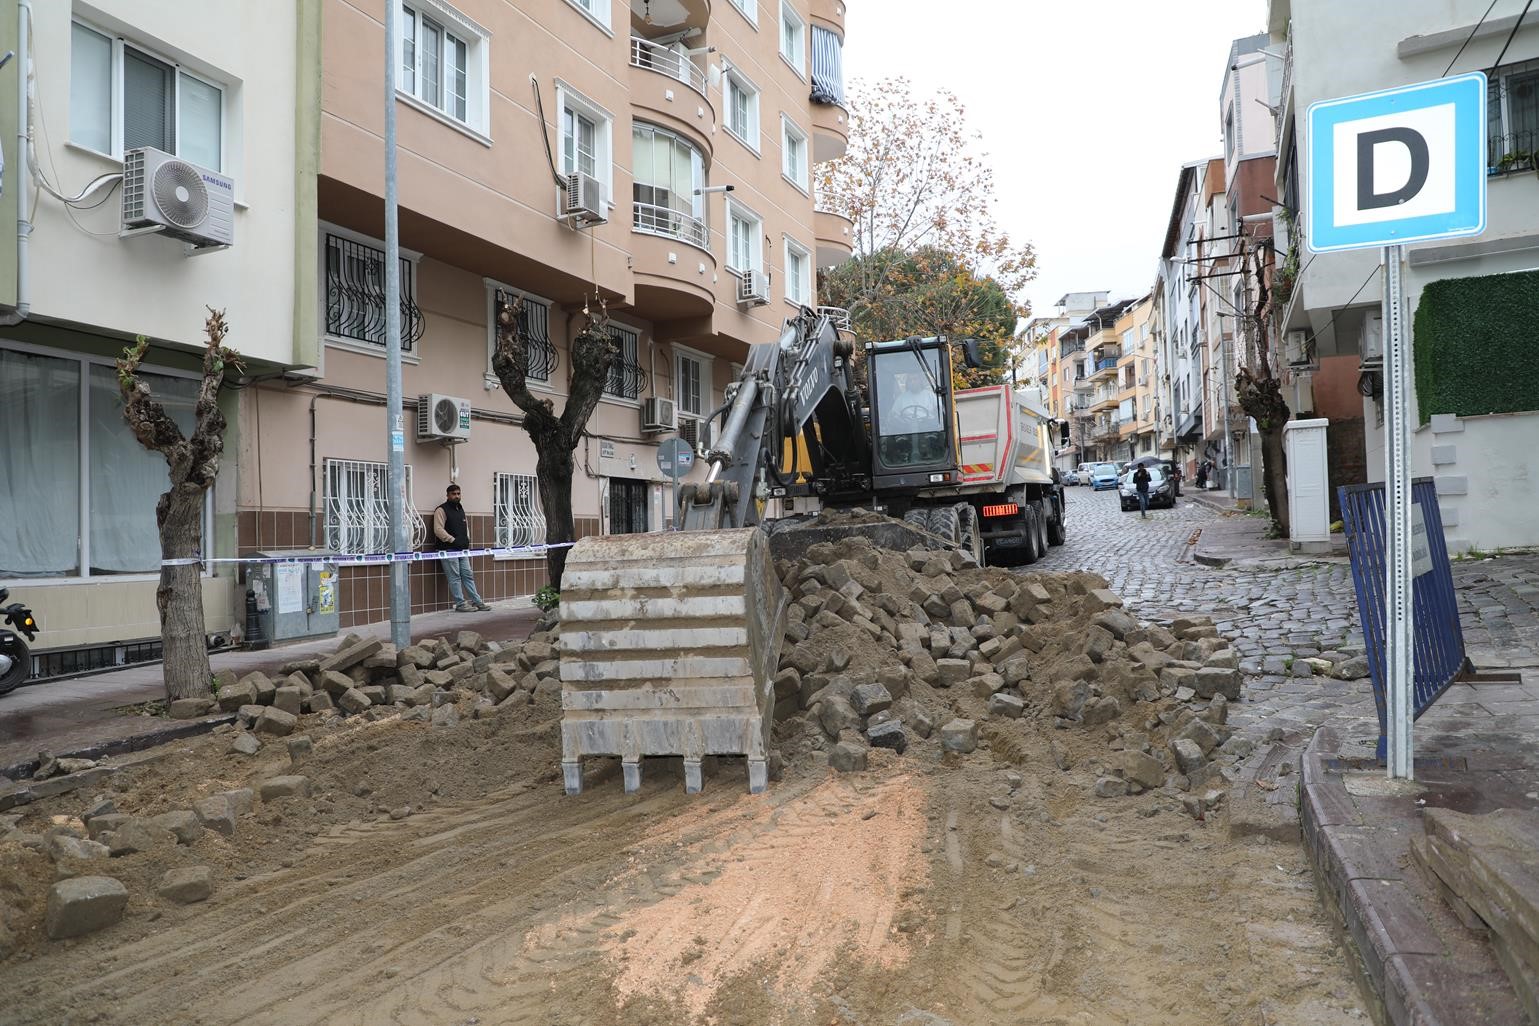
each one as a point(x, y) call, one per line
point(1141, 486)
point(452, 530)
point(1202, 476)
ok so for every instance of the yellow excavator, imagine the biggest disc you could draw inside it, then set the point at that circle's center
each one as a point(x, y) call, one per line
point(670, 641)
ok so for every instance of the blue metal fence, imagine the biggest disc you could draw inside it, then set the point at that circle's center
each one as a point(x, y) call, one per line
point(1438, 638)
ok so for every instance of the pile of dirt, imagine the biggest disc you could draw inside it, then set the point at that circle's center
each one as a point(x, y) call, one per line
point(925, 649)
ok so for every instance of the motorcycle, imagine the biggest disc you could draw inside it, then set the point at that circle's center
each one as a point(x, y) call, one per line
point(15, 660)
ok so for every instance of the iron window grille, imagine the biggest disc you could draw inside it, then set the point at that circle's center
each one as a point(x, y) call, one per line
point(355, 294)
point(358, 508)
point(1512, 118)
point(628, 506)
point(626, 376)
point(534, 326)
point(520, 521)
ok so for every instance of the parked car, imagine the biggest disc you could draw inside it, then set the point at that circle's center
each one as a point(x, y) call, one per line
point(1103, 476)
point(1161, 490)
point(1071, 477)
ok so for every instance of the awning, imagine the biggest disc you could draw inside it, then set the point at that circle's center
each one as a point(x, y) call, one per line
point(1191, 424)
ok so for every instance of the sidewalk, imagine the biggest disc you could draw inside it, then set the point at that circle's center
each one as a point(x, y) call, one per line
point(1239, 541)
point(71, 715)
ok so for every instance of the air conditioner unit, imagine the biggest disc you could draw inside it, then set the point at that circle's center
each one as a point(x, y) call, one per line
point(658, 415)
point(584, 200)
point(177, 198)
point(442, 417)
point(753, 288)
point(697, 433)
point(1373, 340)
point(1296, 349)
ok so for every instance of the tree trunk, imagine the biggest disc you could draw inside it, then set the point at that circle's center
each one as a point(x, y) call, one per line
point(179, 515)
point(1274, 467)
point(554, 469)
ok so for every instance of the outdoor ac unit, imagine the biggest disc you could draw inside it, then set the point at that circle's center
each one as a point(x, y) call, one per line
point(584, 200)
point(1296, 349)
point(697, 433)
point(180, 199)
point(442, 417)
point(753, 288)
point(1373, 340)
point(658, 415)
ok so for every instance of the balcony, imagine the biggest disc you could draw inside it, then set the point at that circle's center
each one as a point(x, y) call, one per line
point(672, 263)
point(830, 15)
point(669, 89)
point(830, 132)
point(1509, 154)
point(1104, 368)
point(651, 219)
point(833, 231)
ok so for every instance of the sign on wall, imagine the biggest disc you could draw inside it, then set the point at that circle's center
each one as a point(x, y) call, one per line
point(1396, 166)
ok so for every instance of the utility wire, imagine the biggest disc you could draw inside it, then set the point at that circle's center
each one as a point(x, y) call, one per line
point(1515, 26)
point(1471, 36)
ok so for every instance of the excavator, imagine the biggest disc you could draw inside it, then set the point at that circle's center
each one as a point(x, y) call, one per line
point(670, 641)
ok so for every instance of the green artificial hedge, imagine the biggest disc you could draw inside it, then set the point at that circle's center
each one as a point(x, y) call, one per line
point(1477, 345)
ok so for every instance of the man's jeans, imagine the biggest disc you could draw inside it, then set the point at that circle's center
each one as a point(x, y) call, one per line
point(462, 583)
point(1143, 503)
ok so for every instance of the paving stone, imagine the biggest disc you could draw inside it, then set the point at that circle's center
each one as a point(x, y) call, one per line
point(959, 736)
point(84, 904)
point(186, 885)
point(289, 786)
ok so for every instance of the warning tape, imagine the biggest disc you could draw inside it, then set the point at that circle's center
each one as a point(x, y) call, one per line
point(373, 558)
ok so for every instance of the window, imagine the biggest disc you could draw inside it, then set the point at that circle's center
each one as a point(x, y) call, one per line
point(586, 133)
point(77, 490)
point(827, 66)
point(358, 508)
point(793, 38)
point(596, 10)
point(355, 294)
point(519, 519)
point(744, 228)
point(668, 176)
point(443, 61)
point(1512, 116)
point(691, 385)
point(798, 273)
point(748, 8)
point(122, 97)
point(533, 325)
point(793, 145)
point(628, 502)
point(743, 109)
point(625, 373)
point(1229, 132)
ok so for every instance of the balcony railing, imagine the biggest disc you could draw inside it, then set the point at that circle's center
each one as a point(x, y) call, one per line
point(651, 219)
point(647, 54)
point(839, 315)
point(1287, 85)
point(1105, 364)
point(1518, 151)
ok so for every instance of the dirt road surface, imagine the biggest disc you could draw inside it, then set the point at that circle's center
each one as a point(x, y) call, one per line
point(930, 890)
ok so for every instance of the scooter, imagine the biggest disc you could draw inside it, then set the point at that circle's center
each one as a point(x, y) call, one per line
point(15, 660)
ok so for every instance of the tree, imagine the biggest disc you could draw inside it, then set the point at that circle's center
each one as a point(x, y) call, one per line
point(555, 436)
point(193, 463)
point(912, 180)
point(1257, 388)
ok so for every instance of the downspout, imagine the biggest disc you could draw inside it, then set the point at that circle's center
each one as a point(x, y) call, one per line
point(313, 399)
point(23, 305)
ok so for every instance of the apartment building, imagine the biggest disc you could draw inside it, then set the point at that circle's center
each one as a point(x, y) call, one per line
point(224, 93)
point(1183, 351)
point(566, 155)
point(1097, 389)
point(1061, 347)
point(1475, 410)
point(1135, 385)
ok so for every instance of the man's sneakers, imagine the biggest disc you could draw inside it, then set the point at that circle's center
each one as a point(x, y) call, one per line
point(482, 607)
point(465, 607)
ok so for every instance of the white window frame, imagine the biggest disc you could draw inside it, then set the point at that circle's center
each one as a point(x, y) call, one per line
point(798, 59)
point(477, 40)
point(377, 517)
point(571, 99)
point(748, 9)
point(790, 130)
point(83, 524)
point(735, 77)
point(706, 366)
point(737, 211)
point(804, 279)
point(328, 340)
point(516, 527)
point(596, 11)
point(226, 125)
point(493, 286)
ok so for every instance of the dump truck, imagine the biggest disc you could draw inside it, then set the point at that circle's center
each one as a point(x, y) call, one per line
point(670, 641)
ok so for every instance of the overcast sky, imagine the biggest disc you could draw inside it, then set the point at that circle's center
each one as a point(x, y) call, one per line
point(1088, 109)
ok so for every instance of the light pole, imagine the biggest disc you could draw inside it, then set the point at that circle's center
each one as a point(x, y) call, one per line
point(400, 580)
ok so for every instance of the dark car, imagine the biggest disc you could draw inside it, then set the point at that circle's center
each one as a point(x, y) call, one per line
point(1161, 490)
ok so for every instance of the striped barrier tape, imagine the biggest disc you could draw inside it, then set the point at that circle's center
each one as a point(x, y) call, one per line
point(373, 558)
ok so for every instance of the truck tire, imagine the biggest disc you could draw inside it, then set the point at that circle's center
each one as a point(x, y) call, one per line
point(944, 522)
point(1032, 550)
point(918, 517)
point(970, 534)
point(1057, 534)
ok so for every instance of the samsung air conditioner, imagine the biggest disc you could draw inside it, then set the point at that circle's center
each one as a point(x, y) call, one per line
point(176, 198)
point(658, 415)
point(753, 288)
point(442, 418)
point(583, 201)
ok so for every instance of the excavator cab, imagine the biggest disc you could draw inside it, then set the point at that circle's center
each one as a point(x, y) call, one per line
point(913, 417)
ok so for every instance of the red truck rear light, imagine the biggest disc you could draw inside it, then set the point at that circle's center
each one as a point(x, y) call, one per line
point(1006, 509)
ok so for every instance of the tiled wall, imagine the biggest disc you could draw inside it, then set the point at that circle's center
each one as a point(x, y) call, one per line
point(364, 590)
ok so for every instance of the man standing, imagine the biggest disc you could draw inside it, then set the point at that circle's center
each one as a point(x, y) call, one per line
point(1141, 485)
point(452, 530)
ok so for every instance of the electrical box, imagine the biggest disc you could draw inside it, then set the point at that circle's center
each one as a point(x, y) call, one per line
point(1309, 504)
point(295, 600)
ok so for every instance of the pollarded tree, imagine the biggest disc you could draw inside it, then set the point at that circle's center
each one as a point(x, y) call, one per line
point(555, 436)
point(1259, 391)
point(192, 462)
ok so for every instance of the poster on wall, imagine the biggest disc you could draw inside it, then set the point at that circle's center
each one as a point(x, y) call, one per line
point(290, 588)
point(328, 592)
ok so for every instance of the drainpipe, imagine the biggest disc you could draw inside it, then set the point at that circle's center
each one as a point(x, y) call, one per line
point(23, 173)
point(313, 399)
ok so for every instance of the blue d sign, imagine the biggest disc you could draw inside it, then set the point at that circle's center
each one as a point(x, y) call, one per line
point(1397, 166)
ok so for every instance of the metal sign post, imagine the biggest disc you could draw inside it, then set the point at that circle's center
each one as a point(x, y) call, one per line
point(1386, 168)
point(400, 579)
point(674, 458)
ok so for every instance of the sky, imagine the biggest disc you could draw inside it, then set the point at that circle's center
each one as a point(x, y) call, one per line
point(1088, 109)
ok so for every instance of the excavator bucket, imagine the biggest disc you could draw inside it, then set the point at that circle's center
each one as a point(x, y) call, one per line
point(669, 646)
